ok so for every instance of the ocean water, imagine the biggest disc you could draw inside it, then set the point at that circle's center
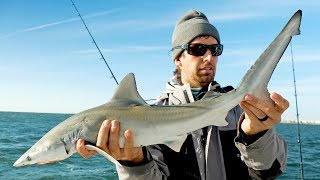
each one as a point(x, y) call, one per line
point(19, 131)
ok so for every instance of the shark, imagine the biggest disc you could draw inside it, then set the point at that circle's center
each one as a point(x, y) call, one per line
point(152, 124)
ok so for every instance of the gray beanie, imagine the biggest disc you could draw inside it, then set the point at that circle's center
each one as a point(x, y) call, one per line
point(190, 26)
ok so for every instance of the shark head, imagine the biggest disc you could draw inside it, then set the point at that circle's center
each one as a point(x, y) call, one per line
point(45, 151)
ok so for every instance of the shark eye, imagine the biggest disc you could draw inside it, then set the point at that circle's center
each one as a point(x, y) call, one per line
point(28, 158)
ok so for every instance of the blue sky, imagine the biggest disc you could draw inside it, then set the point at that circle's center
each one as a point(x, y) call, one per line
point(48, 62)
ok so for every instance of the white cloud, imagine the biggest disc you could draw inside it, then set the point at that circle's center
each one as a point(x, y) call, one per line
point(127, 49)
point(312, 57)
point(222, 17)
point(48, 25)
point(300, 57)
point(244, 9)
point(51, 24)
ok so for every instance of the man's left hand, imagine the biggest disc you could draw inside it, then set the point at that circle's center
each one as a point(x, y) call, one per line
point(261, 115)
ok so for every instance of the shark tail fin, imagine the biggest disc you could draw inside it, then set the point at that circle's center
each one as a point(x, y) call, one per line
point(296, 30)
point(258, 76)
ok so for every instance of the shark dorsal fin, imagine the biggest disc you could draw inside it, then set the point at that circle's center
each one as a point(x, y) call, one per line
point(126, 93)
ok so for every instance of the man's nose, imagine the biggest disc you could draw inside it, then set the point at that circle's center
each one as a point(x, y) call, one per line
point(207, 56)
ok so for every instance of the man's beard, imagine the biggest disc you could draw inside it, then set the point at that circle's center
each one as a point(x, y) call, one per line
point(205, 79)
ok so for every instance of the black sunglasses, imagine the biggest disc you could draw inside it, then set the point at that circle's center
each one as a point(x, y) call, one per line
point(201, 49)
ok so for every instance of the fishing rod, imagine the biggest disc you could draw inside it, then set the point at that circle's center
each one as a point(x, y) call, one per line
point(102, 57)
point(297, 111)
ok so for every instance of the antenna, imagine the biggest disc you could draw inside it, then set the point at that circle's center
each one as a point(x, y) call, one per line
point(297, 110)
point(102, 57)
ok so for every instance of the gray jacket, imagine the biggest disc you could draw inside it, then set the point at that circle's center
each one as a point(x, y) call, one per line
point(259, 155)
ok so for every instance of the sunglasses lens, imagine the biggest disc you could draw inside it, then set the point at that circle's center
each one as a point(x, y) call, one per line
point(216, 49)
point(201, 49)
point(197, 49)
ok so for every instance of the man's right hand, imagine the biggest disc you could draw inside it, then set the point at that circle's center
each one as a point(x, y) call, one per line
point(108, 140)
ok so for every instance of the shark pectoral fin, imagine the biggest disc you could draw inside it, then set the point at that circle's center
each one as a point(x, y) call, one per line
point(220, 120)
point(103, 153)
point(176, 143)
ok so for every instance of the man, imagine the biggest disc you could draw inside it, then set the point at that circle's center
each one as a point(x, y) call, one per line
point(247, 148)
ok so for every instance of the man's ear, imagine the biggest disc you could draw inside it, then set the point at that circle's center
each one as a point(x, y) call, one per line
point(177, 61)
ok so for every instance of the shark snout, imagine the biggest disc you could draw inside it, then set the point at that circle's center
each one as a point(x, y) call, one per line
point(45, 152)
point(22, 161)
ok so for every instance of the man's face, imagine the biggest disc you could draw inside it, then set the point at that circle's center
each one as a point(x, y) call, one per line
point(198, 71)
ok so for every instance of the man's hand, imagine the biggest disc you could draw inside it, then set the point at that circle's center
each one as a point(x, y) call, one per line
point(108, 140)
point(261, 115)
